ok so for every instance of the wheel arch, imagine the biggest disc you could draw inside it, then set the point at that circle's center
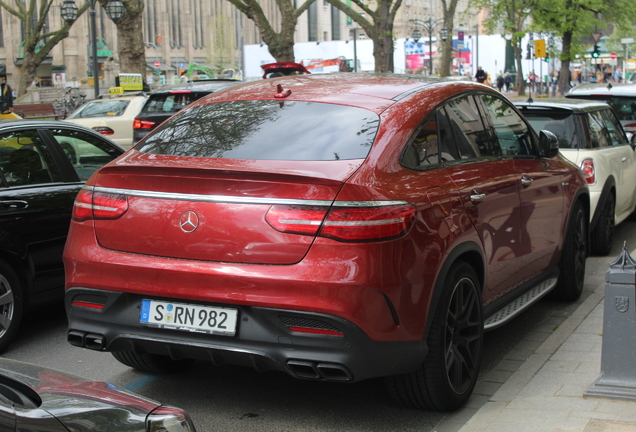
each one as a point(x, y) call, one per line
point(469, 252)
point(608, 188)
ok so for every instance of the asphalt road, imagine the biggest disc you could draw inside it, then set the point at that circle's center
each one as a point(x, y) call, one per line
point(238, 398)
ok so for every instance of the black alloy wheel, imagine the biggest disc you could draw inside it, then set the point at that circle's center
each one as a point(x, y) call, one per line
point(449, 372)
point(573, 257)
point(602, 238)
point(10, 305)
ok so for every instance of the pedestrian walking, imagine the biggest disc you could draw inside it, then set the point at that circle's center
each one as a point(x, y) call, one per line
point(500, 81)
point(507, 81)
point(481, 76)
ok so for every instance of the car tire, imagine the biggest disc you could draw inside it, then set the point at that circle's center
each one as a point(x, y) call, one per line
point(445, 382)
point(11, 305)
point(602, 237)
point(572, 265)
point(153, 363)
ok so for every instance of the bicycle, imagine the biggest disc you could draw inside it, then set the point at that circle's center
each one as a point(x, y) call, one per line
point(69, 102)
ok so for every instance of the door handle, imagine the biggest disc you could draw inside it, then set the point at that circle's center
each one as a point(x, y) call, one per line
point(14, 204)
point(526, 181)
point(477, 197)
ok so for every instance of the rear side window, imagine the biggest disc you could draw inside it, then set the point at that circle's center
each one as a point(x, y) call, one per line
point(623, 106)
point(267, 130)
point(614, 129)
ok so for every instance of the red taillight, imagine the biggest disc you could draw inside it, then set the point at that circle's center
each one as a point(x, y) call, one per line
point(347, 224)
point(143, 124)
point(98, 205)
point(104, 130)
point(630, 127)
point(587, 166)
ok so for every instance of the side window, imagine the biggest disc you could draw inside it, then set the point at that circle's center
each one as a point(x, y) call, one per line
point(433, 143)
point(614, 129)
point(598, 134)
point(468, 129)
point(509, 129)
point(25, 160)
point(86, 153)
point(424, 148)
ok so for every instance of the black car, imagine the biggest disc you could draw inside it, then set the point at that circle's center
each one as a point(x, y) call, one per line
point(43, 165)
point(36, 399)
point(168, 100)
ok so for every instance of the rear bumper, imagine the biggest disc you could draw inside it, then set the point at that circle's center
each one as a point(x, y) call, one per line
point(263, 339)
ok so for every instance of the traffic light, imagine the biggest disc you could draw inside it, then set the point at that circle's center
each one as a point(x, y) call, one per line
point(159, 39)
point(539, 48)
point(595, 53)
point(547, 59)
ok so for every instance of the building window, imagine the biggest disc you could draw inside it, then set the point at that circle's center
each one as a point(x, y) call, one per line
point(312, 17)
point(335, 23)
point(1, 31)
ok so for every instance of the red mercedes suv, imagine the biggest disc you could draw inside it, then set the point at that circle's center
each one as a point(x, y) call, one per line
point(335, 227)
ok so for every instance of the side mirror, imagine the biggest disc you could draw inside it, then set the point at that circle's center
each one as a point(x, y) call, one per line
point(548, 144)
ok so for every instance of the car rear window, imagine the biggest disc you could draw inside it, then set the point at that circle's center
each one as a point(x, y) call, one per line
point(112, 108)
point(561, 123)
point(267, 130)
point(171, 102)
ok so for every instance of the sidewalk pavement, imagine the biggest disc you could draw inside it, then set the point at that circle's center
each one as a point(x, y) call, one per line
point(545, 392)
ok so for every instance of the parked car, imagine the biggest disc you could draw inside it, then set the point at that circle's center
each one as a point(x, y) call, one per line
point(591, 136)
point(43, 165)
point(334, 227)
point(620, 96)
point(112, 117)
point(34, 398)
point(168, 100)
point(275, 70)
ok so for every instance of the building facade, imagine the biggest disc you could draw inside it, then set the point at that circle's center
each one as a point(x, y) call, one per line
point(177, 33)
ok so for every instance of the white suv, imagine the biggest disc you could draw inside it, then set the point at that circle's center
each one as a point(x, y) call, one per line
point(591, 136)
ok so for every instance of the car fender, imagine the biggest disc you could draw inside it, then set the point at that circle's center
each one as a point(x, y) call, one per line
point(469, 251)
point(607, 190)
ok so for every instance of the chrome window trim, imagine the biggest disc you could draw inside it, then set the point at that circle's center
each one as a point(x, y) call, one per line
point(240, 199)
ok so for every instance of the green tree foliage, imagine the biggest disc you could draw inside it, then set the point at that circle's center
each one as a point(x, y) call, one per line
point(38, 40)
point(510, 15)
point(572, 19)
point(377, 24)
point(280, 44)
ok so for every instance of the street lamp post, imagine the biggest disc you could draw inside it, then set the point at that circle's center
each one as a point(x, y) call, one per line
point(114, 10)
point(429, 25)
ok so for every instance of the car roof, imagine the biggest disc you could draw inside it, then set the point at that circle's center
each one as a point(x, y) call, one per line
point(369, 90)
point(124, 96)
point(618, 89)
point(576, 105)
point(207, 85)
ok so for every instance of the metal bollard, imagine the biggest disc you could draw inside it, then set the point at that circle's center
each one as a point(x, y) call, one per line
point(618, 355)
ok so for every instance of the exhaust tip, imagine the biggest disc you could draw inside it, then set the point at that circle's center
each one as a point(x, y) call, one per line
point(75, 338)
point(334, 372)
point(303, 369)
point(94, 342)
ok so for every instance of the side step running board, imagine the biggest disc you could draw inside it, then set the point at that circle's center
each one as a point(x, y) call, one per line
point(512, 309)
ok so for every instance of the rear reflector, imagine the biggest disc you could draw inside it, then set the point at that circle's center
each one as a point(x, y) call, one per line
point(143, 124)
point(88, 305)
point(346, 224)
point(98, 205)
point(315, 331)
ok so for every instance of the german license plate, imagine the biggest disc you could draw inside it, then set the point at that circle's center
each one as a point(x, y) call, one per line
point(188, 317)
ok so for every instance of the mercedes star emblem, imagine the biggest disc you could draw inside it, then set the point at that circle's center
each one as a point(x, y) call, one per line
point(189, 222)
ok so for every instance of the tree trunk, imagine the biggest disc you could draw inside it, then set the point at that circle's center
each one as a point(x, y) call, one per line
point(520, 81)
point(28, 73)
point(564, 77)
point(130, 48)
